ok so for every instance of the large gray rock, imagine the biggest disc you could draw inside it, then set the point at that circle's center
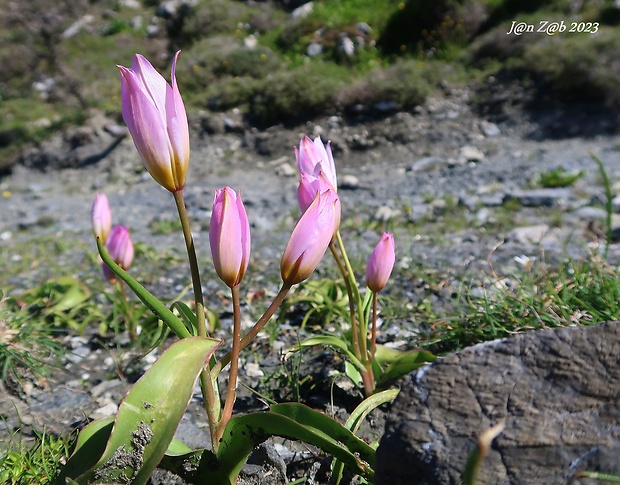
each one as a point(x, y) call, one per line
point(558, 392)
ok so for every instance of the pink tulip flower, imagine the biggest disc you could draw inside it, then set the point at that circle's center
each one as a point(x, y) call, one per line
point(156, 118)
point(311, 237)
point(101, 217)
point(309, 186)
point(381, 263)
point(120, 249)
point(316, 168)
point(229, 236)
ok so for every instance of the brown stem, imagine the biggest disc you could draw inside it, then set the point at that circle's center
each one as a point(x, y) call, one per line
point(231, 393)
point(373, 334)
point(258, 326)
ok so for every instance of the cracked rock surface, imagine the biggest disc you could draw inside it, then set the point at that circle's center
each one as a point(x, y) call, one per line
point(556, 390)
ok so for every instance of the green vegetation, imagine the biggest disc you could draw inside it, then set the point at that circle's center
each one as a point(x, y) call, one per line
point(22, 463)
point(558, 177)
point(254, 56)
point(26, 343)
point(535, 297)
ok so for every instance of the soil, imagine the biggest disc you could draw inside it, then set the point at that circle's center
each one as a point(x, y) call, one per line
point(401, 171)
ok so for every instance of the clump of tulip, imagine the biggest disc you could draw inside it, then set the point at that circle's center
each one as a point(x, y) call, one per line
point(119, 246)
point(155, 115)
point(317, 175)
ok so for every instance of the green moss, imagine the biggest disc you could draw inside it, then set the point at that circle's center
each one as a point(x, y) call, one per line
point(579, 66)
point(298, 94)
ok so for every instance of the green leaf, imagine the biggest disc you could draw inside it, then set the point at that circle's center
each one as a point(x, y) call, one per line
point(367, 405)
point(355, 420)
point(187, 315)
point(184, 462)
point(150, 413)
point(333, 342)
point(293, 421)
point(72, 293)
point(156, 306)
point(91, 444)
point(177, 448)
point(404, 364)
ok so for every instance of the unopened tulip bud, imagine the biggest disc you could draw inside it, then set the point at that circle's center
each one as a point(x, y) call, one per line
point(311, 237)
point(313, 157)
point(309, 186)
point(381, 263)
point(229, 236)
point(156, 118)
point(120, 249)
point(101, 217)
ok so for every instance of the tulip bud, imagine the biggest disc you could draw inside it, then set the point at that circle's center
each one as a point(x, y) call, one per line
point(120, 249)
point(101, 217)
point(156, 118)
point(309, 186)
point(381, 263)
point(311, 237)
point(313, 157)
point(229, 236)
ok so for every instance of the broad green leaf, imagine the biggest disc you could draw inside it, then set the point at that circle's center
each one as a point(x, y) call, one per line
point(330, 341)
point(293, 421)
point(404, 364)
point(91, 444)
point(150, 413)
point(355, 420)
point(156, 306)
point(328, 428)
point(480, 452)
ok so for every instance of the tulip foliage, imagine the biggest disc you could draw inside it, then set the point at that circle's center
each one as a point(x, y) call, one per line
point(128, 447)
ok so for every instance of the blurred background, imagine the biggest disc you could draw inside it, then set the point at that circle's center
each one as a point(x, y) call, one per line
point(288, 61)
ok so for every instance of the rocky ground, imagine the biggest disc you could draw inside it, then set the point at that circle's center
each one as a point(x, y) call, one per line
point(440, 178)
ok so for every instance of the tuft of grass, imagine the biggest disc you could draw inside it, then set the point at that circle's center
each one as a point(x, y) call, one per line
point(558, 177)
point(26, 344)
point(39, 463)
point(536, 297)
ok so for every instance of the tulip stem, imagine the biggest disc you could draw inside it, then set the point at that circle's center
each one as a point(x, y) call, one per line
point(231, 393)
point(258, 326)
point(129, 323)
point(347, 284)
point(193, 263)
point(373, 334)
point(208, 387)
point(359, 326)
point(361, 323)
